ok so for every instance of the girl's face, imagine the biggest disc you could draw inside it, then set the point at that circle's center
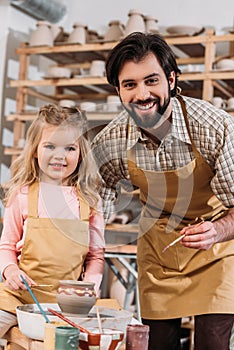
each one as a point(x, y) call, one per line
point(57, 153)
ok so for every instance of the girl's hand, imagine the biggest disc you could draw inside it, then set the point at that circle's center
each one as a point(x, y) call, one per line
point(13, 280)
point(200, 236)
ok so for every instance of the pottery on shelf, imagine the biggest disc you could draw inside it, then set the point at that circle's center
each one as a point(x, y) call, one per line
point(97, 68)
point(42, 35)
point(151, 24)
point(78, 35)
point(76, 297)
point(135, 22)
point(115, 31)
point(59, 72)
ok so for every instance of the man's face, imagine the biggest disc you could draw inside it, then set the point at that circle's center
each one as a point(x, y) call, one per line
point(145, 91)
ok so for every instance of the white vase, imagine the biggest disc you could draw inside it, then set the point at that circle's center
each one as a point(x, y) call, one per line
point(135, 22)
point(42, 35)
point(78, 35)
point(115, 31)
point(151, 24)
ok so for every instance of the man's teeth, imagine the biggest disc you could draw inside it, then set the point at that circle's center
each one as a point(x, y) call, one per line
point(147, 106)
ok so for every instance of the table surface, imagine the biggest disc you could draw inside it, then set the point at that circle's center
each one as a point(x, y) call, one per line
point(19, 341)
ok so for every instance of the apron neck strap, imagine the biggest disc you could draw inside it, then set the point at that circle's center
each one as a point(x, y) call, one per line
point(182, 103)
point(33, 199)
point(84, 207)
point(33, 195)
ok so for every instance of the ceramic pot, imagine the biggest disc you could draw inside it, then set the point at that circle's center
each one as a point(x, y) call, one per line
point(135, 22)
point(97, 68)
point(59, 72)
point(115, 31)
point(76, 297)
point(78, 35)
point(42, 35)
point(113, 103)
point(91, 35)
point(57, 32)
point(151, 24)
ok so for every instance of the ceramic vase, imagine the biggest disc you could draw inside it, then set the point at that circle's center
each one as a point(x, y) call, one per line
point(78, 35)
point(151, 24)
point(42, 35)
point(135, 22)
point(76, 297)
point(115, 31)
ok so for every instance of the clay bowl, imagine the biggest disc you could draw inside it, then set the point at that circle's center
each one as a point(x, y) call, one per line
point(109, 339)
point(76, 297)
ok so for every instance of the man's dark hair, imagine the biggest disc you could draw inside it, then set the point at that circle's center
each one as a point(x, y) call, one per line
point(135, 47)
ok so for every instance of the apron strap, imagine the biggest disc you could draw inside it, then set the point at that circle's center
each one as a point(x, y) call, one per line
point(33, 195)
point(182, 103)
point(84, 207)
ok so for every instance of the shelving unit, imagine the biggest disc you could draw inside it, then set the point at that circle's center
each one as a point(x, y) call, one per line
point(198, 51)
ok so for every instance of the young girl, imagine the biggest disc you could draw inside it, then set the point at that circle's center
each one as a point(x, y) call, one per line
point(53, 223)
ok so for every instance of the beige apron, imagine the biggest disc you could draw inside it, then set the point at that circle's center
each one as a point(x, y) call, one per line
point(53, 250)
point(182, 281)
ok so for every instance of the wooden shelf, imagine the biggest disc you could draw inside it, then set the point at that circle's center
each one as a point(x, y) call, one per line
point(32, 115)
point(195, 50)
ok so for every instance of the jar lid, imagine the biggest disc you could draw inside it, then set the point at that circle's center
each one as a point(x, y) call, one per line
point(135, 12)
point(113, 22)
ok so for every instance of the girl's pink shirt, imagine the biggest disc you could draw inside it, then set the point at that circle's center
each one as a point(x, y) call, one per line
point(53, 202)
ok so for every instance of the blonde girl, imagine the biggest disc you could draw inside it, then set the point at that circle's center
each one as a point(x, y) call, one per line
point(53, 222)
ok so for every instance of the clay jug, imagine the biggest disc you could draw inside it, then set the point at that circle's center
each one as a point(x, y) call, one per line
point(115, 31)
point(42, 35)
point(78, 35)
point(135, 22)
point(151, 24)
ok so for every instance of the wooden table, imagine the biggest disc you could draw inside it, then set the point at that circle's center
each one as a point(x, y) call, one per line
point(18, 341)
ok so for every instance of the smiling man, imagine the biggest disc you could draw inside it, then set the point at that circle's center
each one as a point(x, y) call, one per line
point(179, 152)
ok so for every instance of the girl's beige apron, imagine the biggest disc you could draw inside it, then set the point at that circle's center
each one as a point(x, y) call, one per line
point(182, 281)
point(54, 249)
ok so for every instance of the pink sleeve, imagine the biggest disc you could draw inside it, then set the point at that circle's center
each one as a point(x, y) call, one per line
point(94, 262)
point(12, 233)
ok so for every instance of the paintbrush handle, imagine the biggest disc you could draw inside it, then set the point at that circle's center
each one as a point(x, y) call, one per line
point(176, 240)
point(179, 238)
point(69, 321)
point(35, 299)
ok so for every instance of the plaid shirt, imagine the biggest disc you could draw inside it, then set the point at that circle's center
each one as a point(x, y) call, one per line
point(212, 131)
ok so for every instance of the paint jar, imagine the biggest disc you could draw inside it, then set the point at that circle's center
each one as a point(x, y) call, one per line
point(137, 337)
point(66, 338)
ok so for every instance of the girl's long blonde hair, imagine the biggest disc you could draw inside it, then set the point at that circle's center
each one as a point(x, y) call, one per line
point(25, 169)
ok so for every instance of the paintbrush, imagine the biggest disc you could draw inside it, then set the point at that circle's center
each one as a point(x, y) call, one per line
point(179, 238)
point(35, 299)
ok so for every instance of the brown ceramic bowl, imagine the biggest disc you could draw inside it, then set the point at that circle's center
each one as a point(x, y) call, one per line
point(76, 297)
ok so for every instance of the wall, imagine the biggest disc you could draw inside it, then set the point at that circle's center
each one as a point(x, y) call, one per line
point(193, 12)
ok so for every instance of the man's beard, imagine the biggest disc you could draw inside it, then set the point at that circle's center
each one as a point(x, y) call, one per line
point(151, 120)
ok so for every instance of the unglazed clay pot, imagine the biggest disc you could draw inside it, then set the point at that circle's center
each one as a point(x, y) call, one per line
point(76, 297)
point(42, 35)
